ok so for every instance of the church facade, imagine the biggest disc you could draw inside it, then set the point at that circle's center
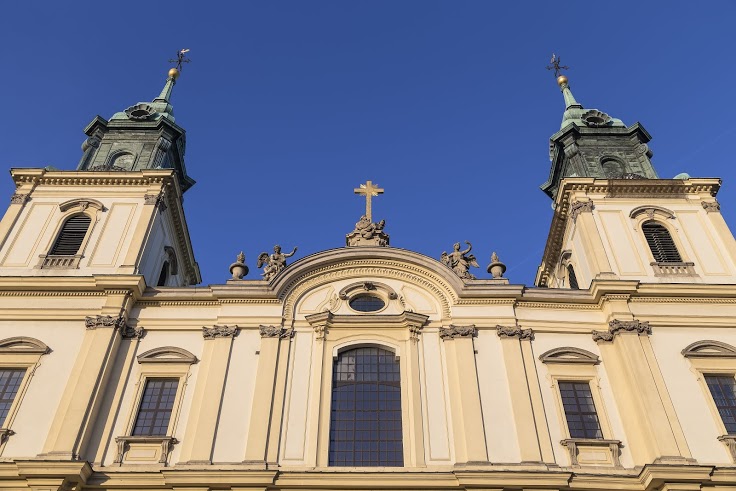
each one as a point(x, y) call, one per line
point(368, 366)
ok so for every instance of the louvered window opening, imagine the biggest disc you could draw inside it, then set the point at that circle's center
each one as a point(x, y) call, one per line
point(572, 280)
point(71, 236)
point(660, 242)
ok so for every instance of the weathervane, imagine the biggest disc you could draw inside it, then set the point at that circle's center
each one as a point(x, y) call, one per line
point(180, 58)
point(555, 65)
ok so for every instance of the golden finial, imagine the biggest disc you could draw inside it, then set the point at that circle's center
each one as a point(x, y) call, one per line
point(175, 72)
point(555, 65)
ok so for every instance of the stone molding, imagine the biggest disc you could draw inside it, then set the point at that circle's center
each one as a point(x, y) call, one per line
point(578, 207)
point(454, 332)
point(322, 322)
point(167, 444)
point(275, 332)
point(23, 344)
point(618, 326)
point(514, 332)
point(650, 211)
point(570, 354)
point(709, 349)
point(19, 199)
point(216, 331)
point(711, 206)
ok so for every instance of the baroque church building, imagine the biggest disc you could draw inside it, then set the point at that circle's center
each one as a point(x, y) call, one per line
point(365, 367)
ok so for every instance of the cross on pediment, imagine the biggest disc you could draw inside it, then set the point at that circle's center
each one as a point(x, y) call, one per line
point(368, 190)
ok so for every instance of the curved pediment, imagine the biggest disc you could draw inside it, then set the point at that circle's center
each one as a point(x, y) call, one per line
point(167, 354)
point(709, 349)
point(22, 344)
point(569, 355)
point(352, 265)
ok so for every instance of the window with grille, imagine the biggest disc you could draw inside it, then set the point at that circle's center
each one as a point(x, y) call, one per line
point(365, 417)
point(582, 418)
point(572, 280)
point(157, 403)
point(723, 390)
point(660, 242)
point(71, 236)
point(10, 380)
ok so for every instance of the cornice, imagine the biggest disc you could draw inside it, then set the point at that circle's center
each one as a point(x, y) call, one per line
point(85, 178)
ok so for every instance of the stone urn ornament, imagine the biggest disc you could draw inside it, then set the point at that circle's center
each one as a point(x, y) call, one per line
point(496, 268)
point(238, 268)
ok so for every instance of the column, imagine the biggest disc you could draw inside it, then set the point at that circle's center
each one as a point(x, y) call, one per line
point(199, 438)
point(467, 415)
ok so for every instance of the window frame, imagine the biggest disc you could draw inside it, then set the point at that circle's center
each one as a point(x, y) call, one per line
point(78, 206)
point(708, 364)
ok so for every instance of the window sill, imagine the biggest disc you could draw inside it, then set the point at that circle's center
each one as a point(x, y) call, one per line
point(144, 449)
point(593, 452)
point(730, 442)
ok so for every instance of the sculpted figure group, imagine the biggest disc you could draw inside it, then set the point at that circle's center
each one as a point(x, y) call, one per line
point(273, 264)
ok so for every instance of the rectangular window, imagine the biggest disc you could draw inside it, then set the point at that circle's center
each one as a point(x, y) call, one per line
point(154, 412)
point(10, 380)
point(723, 390)
point(582, 418)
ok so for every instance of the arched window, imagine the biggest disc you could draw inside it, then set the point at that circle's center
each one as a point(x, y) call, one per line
point(71, 236)
point(660, 242)
point(572, 280)
point(164, 276)
point(365, 417)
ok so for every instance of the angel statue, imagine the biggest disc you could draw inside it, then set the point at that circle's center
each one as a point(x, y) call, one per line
point(460, 261)
point(274, 263)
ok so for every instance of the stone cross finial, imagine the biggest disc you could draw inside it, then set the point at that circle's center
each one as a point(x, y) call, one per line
point(368, 190)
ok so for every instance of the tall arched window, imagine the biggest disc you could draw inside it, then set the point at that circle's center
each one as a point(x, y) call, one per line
point(71, 236)
point(164, 276)
point(365, 418)
point(660, 242)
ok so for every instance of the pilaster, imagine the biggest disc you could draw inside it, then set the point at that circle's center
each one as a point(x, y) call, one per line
point(526, 398)
point(581, 213)
point(467, 415)
point(652, 429)
point(198, 443)
point(261, 415)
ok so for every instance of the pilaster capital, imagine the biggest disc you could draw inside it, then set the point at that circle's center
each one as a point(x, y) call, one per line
point(275, 332)
point(617, 326)
point(216, 331)
point(454, 332)
point(156, 200)
point(93, 322)
point(578, 207)
point(514, 332)
point(128, 332)
point(19, 198)
point(711, 206)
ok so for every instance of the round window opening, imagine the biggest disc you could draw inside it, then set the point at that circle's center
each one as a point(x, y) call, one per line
point(366, 303)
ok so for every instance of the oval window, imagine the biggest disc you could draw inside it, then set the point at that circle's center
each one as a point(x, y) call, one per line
point(366, 303)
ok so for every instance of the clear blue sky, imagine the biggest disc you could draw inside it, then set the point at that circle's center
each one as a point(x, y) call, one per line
point(290, 105)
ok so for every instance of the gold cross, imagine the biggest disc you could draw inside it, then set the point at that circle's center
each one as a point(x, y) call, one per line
point(369, 190)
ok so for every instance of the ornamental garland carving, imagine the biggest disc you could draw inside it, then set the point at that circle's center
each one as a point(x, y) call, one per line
point(711, 206)
point(219, 332)
point(95, 321)
point(618, 326)
point(19, 199)
point(579, 207)
point(454, 332)
point(275, 332)
point(514, 332)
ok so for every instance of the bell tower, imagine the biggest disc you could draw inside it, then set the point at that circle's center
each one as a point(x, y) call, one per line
point(119, 213)
point(616, 219)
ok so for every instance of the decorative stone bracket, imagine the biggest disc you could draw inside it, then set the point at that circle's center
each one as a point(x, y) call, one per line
point(138, 449)
point(118, 323)
point(453, 332)
point(215, 332)
point(578, 207)
point(617, 326)
point(514, 332)
point(590, 451)
point(711, 206)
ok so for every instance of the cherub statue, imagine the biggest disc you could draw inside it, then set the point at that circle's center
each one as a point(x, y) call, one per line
point(275, 263)
point(460, 261)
